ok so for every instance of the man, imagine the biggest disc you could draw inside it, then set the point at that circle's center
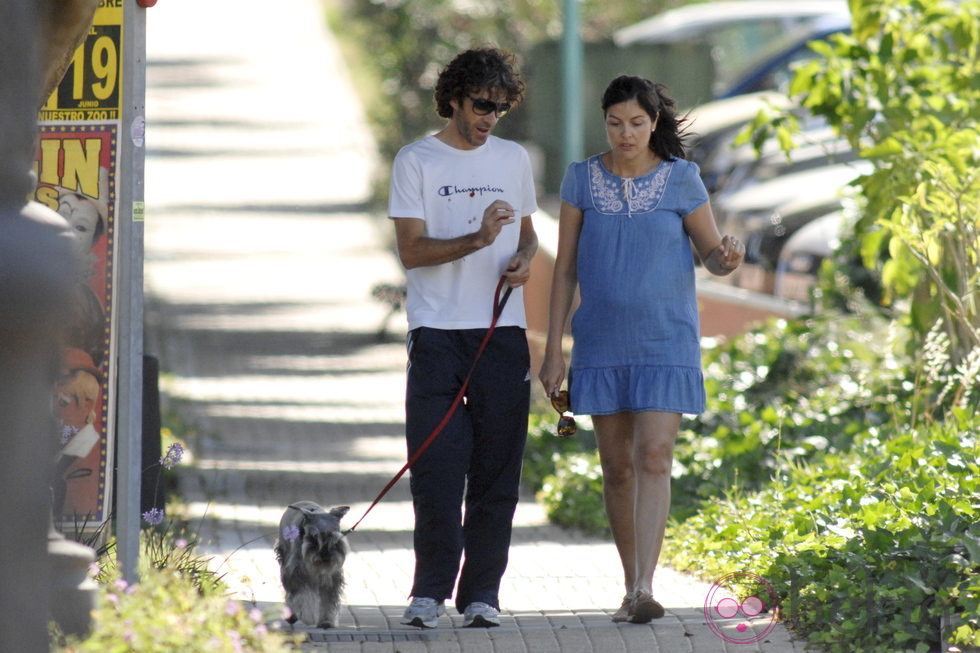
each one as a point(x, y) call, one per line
point(461, 201)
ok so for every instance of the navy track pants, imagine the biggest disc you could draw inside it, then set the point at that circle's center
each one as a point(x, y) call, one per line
point(476, 459)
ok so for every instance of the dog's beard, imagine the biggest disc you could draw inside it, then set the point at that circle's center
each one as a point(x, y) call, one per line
point(323, 555)
point(317, 582)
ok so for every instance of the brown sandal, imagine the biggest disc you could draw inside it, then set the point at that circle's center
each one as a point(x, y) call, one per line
point(644, 609)
point(625, 610)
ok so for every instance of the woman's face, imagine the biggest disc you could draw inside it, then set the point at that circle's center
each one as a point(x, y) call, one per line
point(628, 129)
point(83, 217)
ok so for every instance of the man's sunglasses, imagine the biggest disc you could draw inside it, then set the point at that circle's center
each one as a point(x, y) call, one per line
point(483, 106)
point(566, 423)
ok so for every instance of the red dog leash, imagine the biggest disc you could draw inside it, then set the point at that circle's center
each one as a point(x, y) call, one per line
point(498, 308)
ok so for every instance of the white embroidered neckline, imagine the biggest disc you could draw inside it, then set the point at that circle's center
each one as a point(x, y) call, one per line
point(613, 195)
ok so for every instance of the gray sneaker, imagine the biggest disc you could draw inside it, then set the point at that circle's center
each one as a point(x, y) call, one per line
point(480, 615)
point(423, 612)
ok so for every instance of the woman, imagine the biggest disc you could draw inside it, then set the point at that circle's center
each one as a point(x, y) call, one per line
point(628, 218)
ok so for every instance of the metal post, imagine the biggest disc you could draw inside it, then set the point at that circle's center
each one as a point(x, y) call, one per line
point(129, 429)
point(573, 123)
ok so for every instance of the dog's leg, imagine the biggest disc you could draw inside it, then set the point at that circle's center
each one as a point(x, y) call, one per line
point(330, 595)
point(306, 605)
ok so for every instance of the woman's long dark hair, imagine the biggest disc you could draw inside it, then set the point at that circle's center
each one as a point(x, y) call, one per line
point(667, 140)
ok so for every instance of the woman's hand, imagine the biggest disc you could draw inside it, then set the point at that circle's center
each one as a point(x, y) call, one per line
point(726, 257)
point(552, 373)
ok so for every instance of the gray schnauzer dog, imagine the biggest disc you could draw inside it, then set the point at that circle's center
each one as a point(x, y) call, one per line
point(311, 551)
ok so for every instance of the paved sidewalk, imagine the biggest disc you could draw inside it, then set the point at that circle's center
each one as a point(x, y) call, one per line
point(260, 257)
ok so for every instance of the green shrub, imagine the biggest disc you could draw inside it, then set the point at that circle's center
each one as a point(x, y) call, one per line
point(786, 392)
point(873, 549)
point(165, 612)
point(572, 496)
point(179, 604)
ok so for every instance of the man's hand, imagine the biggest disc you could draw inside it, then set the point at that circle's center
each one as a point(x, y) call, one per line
point(498, 214)
point(518, 270)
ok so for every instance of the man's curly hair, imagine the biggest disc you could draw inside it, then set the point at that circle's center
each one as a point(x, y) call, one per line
point(474, 71)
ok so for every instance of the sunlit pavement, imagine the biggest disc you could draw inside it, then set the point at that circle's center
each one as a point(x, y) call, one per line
point(260, 258)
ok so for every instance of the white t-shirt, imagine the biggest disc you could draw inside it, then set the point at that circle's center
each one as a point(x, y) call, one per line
point(449, 189)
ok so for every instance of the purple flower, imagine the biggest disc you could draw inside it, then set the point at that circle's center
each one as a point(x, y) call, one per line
point(153, 516)
point(290, 533)
point(174, 453)
point(236, 640)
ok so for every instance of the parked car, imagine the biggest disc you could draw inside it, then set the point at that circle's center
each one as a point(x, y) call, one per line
point(802, 254)
point(767, 214)
point(734, 31)
point(771, 69)
point(731, 168)
point(764, 244)
point(751, 207)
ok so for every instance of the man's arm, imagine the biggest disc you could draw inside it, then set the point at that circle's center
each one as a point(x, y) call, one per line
point(519, 268)
point(416, 249)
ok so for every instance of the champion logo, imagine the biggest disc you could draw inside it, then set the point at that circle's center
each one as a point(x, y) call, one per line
point(472, 191)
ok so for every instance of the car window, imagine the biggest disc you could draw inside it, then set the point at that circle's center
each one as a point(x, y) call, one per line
point(733, 47)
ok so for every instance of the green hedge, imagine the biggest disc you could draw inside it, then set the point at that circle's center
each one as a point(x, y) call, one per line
point(166, 612)
point(875, 549)
point(179, 604)
point(784, 393)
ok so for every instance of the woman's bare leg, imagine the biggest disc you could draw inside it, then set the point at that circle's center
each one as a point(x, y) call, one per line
point(653, 452)
point(614, 437)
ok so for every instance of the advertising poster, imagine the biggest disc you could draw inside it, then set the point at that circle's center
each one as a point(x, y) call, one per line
point(76, 172)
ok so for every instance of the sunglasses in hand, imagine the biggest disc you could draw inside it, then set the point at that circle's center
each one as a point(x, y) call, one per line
point(566, 423)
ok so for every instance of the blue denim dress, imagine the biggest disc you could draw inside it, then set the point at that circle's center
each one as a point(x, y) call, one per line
point(636, 332)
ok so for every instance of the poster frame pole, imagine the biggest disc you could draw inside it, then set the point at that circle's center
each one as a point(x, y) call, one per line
point(129, 423)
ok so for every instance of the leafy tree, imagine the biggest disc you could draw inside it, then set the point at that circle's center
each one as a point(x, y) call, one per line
point(903, 88)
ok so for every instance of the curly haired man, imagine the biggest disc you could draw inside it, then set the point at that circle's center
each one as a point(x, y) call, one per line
point(461, 201)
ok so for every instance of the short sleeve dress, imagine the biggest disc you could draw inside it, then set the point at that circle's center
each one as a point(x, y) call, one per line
point(636, 332)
